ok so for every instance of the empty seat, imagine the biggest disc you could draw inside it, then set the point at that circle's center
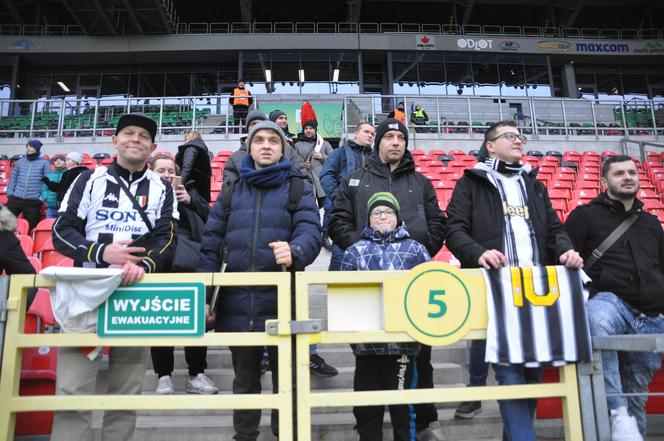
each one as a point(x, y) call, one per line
point(26, 244)
point(22, 226)
point(42, 232)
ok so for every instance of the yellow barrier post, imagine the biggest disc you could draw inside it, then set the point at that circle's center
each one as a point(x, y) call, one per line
point(16, 340)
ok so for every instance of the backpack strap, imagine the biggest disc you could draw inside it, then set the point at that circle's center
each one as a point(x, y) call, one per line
point(295, 193)
point(227, 196)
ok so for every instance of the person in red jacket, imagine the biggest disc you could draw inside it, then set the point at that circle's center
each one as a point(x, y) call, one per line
point(307, 113)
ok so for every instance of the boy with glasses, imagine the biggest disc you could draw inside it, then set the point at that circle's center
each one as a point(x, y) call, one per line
point(385, 245)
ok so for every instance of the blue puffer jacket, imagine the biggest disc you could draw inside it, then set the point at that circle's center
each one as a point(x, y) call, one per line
point(25, 182)
point(380, 252)
point(258, 215)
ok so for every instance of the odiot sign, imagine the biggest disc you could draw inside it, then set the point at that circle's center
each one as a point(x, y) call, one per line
point(477, 44)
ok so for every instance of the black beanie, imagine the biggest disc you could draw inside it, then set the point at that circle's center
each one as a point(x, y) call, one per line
point(310, 123)
point(275, 114)
point(386, 126)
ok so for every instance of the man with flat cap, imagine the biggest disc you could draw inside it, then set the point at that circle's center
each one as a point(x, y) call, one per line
point(124, 216)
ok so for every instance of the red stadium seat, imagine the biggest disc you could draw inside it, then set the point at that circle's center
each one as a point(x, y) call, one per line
point(436, 153)
point(647, 194)
point(36, 263)
point(26, 244)
point(22, 226)
point(585, 193)
point(42, 232)
point(559, 204)
point(559, 193)
point(48, 255)
point(67, 261)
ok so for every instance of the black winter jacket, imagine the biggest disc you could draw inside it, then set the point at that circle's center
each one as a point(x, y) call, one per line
point(633, 267)
point(415, 193)
point(475, 220)
point(195, 169)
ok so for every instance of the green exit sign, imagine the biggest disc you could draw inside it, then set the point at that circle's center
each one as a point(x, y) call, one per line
point(153, 309)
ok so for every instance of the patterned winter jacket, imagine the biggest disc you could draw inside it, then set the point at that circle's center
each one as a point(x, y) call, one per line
point(379, 252)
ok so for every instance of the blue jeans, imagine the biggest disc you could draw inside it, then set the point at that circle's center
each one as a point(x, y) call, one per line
point(327, 210)
point(477, 367)
point(625, 372)
point(335, 260)
point(52, 212)
point(517, 414)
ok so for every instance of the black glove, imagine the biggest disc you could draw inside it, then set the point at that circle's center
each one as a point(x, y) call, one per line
point(46, 180)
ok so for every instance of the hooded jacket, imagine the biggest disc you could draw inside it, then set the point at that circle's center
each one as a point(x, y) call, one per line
point(382, 252)
point(415, 193)
point(195, 169)
point(475, 220)
point(633, 267)
point(258, 215)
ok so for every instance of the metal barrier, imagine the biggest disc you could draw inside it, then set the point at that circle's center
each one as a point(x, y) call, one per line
point(536, 116)
point(75, 117)
point(16, 340)
point(369, 289)
point(354, 27)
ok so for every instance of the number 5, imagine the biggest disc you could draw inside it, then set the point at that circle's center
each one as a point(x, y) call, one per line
point(442, 307)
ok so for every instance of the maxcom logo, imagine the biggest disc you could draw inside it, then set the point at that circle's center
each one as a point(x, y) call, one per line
point(602, 47)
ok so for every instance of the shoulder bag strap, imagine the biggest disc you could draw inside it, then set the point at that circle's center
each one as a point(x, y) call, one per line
point(132, 198)
point(610, 240)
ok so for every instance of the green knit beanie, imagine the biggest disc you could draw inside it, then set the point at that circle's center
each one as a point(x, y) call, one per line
point(384, 198)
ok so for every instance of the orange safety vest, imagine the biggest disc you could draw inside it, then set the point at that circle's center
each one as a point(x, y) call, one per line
point(400, 116)
point(243, 94)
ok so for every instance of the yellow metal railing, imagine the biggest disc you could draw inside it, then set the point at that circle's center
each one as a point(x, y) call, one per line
point(16, 340)
point(374, 287)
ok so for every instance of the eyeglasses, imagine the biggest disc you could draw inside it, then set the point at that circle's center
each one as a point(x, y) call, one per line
point(380, 213)
point(511, 137)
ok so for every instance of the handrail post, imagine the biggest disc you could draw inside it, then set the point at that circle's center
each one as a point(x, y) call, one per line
point(654, 120)
point(32, 118)
point(592, 109)
point(161, 115)
point(94, 121)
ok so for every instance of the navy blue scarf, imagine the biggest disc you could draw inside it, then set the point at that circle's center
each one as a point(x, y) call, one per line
point(267, 177)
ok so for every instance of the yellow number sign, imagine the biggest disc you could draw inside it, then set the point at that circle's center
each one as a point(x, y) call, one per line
point(436, 303)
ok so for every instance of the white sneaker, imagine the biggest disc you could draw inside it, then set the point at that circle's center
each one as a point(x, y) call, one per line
point(165, 385)
point(623, 426)
point(431, 433)
point(200, 384)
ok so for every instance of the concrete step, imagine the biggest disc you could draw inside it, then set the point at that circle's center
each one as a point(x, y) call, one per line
point(486, 426)
point(444, 373)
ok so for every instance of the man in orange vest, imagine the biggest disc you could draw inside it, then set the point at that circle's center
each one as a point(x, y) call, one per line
point(241, 100)
point(399, 114)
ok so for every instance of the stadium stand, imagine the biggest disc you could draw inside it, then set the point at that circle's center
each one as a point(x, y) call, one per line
point(583, 82)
